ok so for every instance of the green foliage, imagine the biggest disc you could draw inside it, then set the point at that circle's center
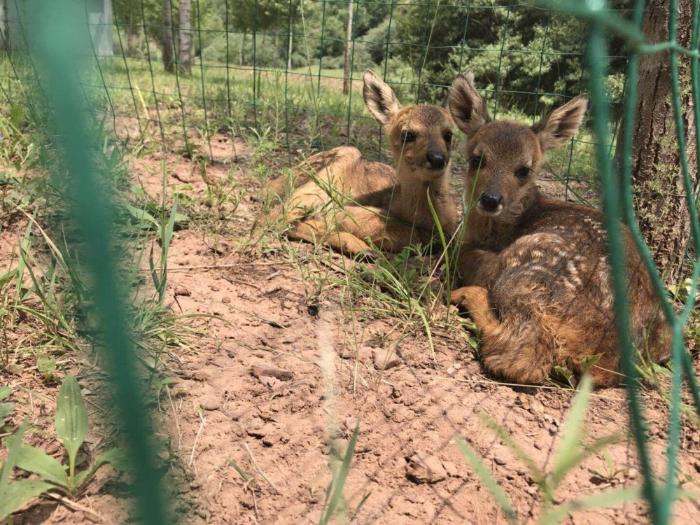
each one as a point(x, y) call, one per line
point(71, 430)
point(518, 49)
point(334, 494)
point(17, 493)
point(571, 452)
point(5, 408)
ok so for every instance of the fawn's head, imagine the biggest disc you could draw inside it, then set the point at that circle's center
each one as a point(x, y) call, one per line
point(420, 135)
point(504, 156)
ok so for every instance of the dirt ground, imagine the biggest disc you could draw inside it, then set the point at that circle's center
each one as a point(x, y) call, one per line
point(278, 378)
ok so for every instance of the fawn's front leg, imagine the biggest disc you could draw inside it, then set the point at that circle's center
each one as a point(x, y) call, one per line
point(478, 267)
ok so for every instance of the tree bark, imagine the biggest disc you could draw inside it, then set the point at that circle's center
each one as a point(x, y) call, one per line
point(657, 184)
point(290, 47)
point(348, 52)
point(185, 49)
point(167, 42)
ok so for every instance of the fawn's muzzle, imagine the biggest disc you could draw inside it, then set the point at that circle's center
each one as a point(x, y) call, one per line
point(491, 202)
point(436, 160)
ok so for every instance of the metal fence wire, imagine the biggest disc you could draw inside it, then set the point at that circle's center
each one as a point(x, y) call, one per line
point(274, 68)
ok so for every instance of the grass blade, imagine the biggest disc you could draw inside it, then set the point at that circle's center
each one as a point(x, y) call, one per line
point(604, 499)
point(572, 433)
point(338, 483)
point(487, 479)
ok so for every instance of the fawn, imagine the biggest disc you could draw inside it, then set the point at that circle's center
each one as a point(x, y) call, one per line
point(534, 269)
point(370, 201)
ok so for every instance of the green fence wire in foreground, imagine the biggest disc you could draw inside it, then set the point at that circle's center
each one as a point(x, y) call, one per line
point(660, 497)
point(53, 44)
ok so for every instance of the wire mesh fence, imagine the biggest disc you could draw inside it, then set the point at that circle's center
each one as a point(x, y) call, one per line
point(274, 69)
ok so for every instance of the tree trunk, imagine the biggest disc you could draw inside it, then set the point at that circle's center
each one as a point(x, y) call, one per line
point(657, 183)
point(185, 49)
point(348, 52)
point(289, 47)
point(167, 42)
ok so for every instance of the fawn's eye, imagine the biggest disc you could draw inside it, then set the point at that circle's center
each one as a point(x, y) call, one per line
point(448, 137)
point(523, 172)
point(476, 162)
point(408, 136)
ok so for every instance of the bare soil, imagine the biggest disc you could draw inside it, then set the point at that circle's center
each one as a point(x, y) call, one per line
point(276, 377)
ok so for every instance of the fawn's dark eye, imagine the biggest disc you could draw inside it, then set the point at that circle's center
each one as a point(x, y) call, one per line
point(476, 162)
point(523, 172)
point(448, 137)
point(408, 136)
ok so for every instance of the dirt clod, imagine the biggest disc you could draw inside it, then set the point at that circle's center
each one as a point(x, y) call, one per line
point(424, 468)
point(384, 359)
point(261, 371)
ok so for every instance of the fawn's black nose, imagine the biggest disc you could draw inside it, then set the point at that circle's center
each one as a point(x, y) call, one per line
point(490, 201)
point(436, 160)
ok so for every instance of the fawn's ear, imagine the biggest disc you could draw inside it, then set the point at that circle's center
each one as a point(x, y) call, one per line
point(467, 107)
point(380, 99)
point(561, 124)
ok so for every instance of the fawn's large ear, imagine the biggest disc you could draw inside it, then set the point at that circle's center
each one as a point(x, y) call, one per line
point(561, 124)
point(380, 99)
point(467, 107)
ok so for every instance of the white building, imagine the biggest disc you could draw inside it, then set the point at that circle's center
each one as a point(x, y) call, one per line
point(13, 24)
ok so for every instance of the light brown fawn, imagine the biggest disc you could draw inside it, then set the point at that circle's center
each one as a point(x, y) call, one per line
point(535, 269)
point(346, 201)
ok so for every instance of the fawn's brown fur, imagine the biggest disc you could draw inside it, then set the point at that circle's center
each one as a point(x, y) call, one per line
point(535, 269)
point(346, 201)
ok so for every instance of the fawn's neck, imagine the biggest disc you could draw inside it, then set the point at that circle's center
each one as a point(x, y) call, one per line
point(410, 203)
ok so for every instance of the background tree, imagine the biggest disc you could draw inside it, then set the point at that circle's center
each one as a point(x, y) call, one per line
point(167, 40)
point(658, 189)
point(347, 74)
point(185, 37)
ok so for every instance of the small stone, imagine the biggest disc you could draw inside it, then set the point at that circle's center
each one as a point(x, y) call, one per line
point(696, 466)
point(210, 402)
point(452, 469)
point(424, 468)
point(182, 291)
point(226, 300)
point(261, 371)
point(499, 461)
point(384, 359)
point(350, 423)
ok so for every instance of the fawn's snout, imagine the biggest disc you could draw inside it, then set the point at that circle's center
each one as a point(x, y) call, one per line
point(491, 202)
point(436, 160)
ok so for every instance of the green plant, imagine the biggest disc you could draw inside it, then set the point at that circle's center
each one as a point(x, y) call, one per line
point(71, 429)
point(571, 453)
point(5, 408)
point(334, 504)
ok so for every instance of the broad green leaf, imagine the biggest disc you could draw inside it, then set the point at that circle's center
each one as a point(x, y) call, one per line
point(18, 493)
point(338, 483)
point(572, 432)
point(142, 215)
point(46, 365)
point(71, 419)
point(487, 479)
point(604, 499)
point(4, 392)
point(114, 456)
point(39, 462)
point(5, 410)
point(14, 442)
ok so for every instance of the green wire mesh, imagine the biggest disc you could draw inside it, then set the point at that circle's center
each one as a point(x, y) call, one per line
point(263, 68)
